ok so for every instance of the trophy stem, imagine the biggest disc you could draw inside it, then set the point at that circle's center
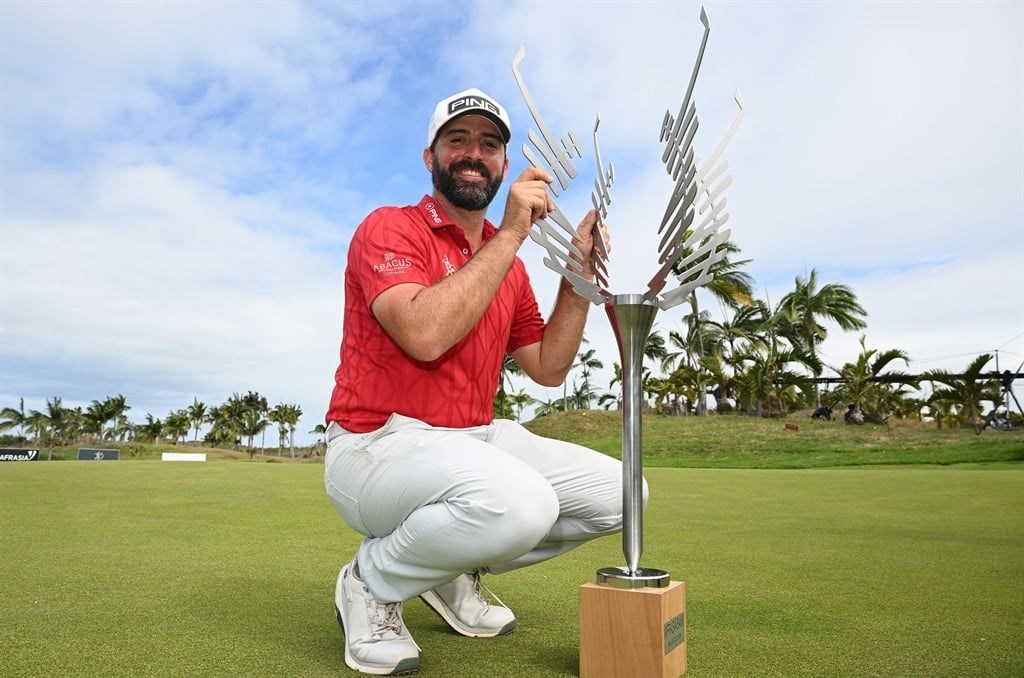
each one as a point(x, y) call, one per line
point(632, 319)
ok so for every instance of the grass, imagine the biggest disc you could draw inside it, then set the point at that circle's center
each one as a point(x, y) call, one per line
point(142, 568)
point(735, 441)
point(903, 558)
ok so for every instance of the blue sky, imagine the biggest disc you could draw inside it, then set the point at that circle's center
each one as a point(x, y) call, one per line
point(179, 180)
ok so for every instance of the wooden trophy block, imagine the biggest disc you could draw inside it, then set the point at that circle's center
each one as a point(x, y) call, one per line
point(632, 633)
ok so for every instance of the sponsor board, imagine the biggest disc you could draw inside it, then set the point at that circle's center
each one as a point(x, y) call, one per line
point(96, 454)
point(183, 456)
point(18, 454)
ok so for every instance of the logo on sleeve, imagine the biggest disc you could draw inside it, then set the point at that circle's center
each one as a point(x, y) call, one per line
point(392, 265)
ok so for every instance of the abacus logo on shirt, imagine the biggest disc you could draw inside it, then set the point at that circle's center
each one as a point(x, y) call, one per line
point(392, 265)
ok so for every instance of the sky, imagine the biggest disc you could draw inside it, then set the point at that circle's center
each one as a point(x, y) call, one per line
point(179, 180)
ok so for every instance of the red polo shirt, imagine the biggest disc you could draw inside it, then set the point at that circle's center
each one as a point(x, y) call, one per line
point(420, 244)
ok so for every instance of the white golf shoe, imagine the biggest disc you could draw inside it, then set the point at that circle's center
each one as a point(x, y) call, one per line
point(376, 640)
point(463, 606)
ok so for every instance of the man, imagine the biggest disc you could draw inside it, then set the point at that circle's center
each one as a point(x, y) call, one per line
point(435, 296)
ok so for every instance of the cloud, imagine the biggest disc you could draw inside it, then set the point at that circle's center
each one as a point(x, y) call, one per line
point(178, 181)
point(164, 276)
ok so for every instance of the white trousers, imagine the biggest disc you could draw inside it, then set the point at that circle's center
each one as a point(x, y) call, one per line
point(437, 502)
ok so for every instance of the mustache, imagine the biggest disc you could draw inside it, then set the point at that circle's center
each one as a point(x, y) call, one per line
point(471, 165)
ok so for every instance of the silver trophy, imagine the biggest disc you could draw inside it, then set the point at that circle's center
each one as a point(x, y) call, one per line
point(685, 250)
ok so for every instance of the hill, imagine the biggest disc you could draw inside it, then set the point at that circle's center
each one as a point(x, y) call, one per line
point(796, 441)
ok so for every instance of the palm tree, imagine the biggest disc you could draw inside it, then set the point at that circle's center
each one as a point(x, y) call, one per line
point(197, 416)
point(177, 425)
point(292, 413)
point(117, 406)
point(807, 304)
point(741, 332)
point(732, 288)
point(10, 418)
point(943, 410)
point(749, 329)
point(546, 407)
point(111, 409)
point(693, 355)
point(587, 362)
point(254, 402)
point(875, 399)
point(730, 285)
point(50, 424)
point(152, 429)
point(646, 385)
point(321, 431)
point(654, 348)
point(503, 407)
point(606, 400)
point(276, 416)
point(93, 421)
point(968, 391)
point(519, 401)
point(769, 383)
point(253, 424)
point(613, 398)
point(121, 429)
point(97, 414)
point(226, 421)
point(287, 419)
point(38, 425)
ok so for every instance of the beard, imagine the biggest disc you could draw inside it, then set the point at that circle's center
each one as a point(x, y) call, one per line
point(465, 195)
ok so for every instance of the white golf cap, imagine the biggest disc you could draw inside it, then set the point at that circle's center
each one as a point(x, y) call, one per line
point(470, 101)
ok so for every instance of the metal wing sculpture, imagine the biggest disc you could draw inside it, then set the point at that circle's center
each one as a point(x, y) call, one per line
point(691, 252)
point(686, 251)
point(556, 159)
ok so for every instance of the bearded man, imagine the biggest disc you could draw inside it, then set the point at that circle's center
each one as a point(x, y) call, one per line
point(435, 298)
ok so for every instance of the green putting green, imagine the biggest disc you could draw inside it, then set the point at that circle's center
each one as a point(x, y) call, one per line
point(144, 568)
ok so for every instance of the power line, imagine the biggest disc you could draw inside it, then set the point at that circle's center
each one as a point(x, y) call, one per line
point(1011, 341)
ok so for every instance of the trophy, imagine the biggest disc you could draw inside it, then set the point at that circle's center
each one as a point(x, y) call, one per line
point(632, 618)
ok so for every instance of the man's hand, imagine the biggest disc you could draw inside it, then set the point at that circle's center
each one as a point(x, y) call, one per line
point(584, 242)
point(528, 201)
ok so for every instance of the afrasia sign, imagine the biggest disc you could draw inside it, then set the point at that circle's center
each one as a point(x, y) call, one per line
point(18, 454)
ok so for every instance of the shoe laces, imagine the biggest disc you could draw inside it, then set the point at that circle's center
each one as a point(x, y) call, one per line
point(479, 587)
point(385, 617)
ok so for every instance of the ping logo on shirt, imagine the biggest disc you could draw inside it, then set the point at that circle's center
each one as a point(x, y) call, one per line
point(433, 213)
point(392, 265)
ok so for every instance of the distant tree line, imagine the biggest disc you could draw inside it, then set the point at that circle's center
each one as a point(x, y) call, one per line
point(759, 359)
point(235, 422)
point(764, 360)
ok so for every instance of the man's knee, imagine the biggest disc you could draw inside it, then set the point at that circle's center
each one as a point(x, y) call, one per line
point(608, 518)
point(509, 520)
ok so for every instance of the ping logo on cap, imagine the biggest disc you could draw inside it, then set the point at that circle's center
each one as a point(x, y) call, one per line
point(470, 102)
point(465, 102)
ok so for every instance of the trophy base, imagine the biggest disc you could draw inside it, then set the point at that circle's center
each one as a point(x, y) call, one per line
point(632, 633)
point(641, 578)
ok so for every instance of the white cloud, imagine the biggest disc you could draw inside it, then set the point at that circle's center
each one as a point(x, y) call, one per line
point(179, 180)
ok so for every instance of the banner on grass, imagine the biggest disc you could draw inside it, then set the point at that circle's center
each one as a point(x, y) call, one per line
point(18, 454)
point(96, 454)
